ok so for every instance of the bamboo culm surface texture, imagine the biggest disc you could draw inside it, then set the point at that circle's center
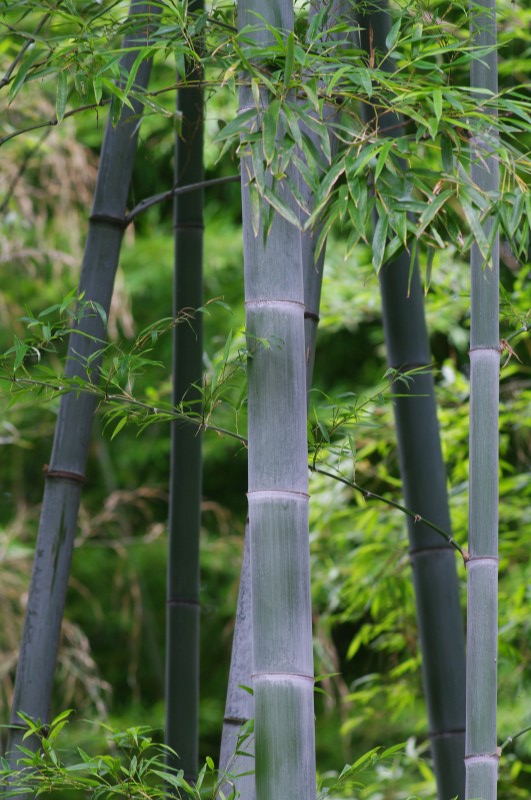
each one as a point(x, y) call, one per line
point(66, 470)
point(183, 611)
point(278, 487)
point(239, 708)
point(482, 569)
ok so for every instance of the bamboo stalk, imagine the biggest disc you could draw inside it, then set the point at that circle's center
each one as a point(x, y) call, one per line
point(183, 611)
point(439, 617)
point(278, 485)
point(239, 708)
point(482, 569)
point(66, 471)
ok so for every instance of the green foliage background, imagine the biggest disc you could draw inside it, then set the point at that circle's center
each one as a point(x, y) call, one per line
point(111, 662)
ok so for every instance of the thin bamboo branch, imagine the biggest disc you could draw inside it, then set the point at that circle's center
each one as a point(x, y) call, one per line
point(177, 191)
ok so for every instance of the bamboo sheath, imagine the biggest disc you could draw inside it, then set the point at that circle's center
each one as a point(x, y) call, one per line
point(183, 611)
point(66, 471)
point(481, 760)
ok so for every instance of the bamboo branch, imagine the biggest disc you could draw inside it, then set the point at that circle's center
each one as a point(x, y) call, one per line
point(148, 202)
point(414, 516)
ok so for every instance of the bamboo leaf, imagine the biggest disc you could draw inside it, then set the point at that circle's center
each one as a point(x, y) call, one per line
point(290, 53)
point(379, 240)
point(384, 152)
point(254, 203)
point(476, 228)
point(119, 427)
point(447, 153)
point(23, 70)
point(437, 104)
point(433, 209)
point(281, 207)
point(269, 130)
point(392, 37)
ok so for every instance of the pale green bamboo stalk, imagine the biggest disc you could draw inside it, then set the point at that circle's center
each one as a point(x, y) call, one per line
point(481, 760)
point(66, 471)
point(183, 611)
point(423, 473)
point(278, 485)
point(239, 708)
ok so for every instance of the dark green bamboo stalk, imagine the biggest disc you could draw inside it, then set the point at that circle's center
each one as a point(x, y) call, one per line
point(423, 474)
point(182, 615)
point(482, 568)
point(278, 484)
point(66, 471)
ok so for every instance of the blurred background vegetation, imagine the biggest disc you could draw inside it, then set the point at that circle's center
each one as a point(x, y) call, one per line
point(112, 658)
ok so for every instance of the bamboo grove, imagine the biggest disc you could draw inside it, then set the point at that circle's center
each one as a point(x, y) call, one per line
point(383, 126)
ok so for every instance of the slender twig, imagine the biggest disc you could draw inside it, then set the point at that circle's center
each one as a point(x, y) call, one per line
point(201, 424)
point(511, 739)
point(416, 517)
point(177, 190)
point(523, 329)
point(16, 61)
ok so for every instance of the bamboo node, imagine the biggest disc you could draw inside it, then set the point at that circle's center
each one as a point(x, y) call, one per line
point(77, 477)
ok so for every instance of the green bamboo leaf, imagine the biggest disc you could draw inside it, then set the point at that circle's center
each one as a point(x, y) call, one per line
point(290, 54)
point(119, 427)
point(392, 37)
point(269, 130)
point(311, 90)
point(447, 153)
point(437, 104)
point(237, 126)
point(33, 55)
point(433, 209)
point(382, 158)
point(363, 77)
point(61, 96)
point(143, 55)
point(518, 209)
point(98, 88)
point(254, 203)
point(476, 228)
point(292, 123)
point(280, 207)
point(379, 240)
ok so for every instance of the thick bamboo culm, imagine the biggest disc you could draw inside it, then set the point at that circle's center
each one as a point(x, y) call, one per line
point(66, 470)
point(278, 485)
point(183, 612)
point(481, 760)
point(239, 708)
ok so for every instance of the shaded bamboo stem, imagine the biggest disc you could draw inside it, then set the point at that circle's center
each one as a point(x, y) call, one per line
point(439, 617)
point(65, 474)
point(183, 610)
